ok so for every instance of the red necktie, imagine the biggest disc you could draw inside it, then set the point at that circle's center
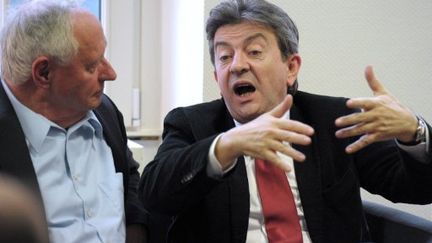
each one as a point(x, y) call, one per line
point(280, 213)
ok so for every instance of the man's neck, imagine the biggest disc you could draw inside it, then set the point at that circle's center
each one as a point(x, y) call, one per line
point(38, 101)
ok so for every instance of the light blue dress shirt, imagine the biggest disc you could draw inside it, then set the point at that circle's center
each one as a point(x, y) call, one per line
point(81, 191)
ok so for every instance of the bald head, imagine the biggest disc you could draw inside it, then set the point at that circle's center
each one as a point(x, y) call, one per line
point(86, 28)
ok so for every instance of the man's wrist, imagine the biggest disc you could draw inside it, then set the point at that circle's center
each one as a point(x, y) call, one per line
point(420, 134)
point(421, 130)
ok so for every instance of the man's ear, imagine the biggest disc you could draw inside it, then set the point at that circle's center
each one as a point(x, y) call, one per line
point(294, 63)
point(40, 71)
point(216, 79)
point(215, 76)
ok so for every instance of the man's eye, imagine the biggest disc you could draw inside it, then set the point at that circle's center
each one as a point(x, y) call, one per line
point(91, 68)
point(224, 58)
point(255, 53)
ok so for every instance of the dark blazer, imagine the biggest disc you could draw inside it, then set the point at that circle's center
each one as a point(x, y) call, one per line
point(15, 158)
point(203, 209)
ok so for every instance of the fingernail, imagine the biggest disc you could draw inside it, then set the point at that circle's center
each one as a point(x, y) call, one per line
point(302, 157)
point(311, 131)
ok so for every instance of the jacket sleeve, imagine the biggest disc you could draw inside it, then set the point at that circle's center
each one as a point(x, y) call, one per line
point(393, 173)
point(176, 179)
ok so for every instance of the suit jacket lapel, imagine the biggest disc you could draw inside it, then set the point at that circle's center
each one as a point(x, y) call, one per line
point(309, 182)
point(105, 115)
point(109, 137)
point(237, 184)
point(14, 155)
point(237, 178)
point(240, 204)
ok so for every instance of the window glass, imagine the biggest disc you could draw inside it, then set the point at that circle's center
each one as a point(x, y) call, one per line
point(93, 6)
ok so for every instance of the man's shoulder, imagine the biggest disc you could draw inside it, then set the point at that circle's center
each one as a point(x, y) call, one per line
point(213, 104)
point(317, 99)
point(108, 114)
point(205, 118)
point(106, 107)
point(212, 108)
point(106, 102)
point(315, 102)
point(316, 107)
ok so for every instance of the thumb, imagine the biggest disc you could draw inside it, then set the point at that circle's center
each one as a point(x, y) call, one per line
point(376, 87)
point(283, 107)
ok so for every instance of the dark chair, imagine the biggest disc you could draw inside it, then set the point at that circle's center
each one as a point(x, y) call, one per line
point(388, 224)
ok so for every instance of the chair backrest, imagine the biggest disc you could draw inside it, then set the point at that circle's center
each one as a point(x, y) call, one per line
point(388, 224)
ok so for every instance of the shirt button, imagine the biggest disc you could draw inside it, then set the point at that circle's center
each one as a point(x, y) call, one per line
point(89, 213)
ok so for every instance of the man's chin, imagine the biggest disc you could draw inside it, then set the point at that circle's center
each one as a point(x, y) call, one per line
point(245, 117)
point(246, 112)
point(95, 103)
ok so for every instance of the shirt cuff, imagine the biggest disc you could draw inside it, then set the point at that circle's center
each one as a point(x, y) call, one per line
point(214, 168)
point(419, 151)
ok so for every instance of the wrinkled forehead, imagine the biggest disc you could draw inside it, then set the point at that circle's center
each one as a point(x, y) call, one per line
point(88, 31)
point(89, 34)
point(244, 32)
point(250, 25)
point(86, 28)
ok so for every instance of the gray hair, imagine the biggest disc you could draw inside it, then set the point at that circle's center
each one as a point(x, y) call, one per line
point(37, 28)
point(257, 11)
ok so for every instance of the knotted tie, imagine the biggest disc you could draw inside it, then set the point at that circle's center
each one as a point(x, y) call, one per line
point(280, 213)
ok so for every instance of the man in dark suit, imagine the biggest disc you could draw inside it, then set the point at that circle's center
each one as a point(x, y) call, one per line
point(203, 175)
point(59, 134)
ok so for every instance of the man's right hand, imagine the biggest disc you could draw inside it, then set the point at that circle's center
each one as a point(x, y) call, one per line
point(264, 137)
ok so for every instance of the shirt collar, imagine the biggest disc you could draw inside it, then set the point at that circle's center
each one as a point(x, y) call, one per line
point(91, 121)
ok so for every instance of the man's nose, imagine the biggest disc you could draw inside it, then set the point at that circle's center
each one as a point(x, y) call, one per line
point(107, 73)
point(239, 64)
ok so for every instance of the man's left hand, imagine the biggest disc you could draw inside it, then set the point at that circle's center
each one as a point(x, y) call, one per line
point(382, 117)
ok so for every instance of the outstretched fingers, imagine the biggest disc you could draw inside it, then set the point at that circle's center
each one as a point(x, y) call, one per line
point(375, 85)
point(283, 107)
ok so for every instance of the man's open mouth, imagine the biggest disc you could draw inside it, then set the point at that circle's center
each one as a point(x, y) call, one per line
point(243, 89)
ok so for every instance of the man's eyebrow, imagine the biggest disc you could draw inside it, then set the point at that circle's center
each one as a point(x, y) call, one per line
point(246, 41)
point(254, 37)
point(220, 43)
